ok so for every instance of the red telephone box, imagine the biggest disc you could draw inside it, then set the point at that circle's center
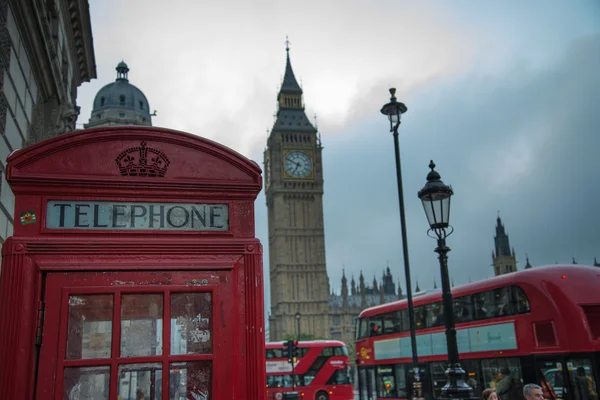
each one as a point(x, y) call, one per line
point(133, 272)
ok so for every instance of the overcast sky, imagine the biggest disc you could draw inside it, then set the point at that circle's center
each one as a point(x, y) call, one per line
point(502, 95)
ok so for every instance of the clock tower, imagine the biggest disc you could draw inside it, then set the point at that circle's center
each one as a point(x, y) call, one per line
point(294, 192)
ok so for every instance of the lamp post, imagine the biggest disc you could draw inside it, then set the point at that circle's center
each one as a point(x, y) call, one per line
point(435, 196)
point(297, 316)
point(394, 110)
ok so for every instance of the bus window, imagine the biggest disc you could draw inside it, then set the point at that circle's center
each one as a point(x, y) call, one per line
point(363, 328)
point(386, 384)
point(483, 303)
point(374, 326)
point(420, 317)
point(473, 378)
point(438, 377)
point(404, 321)
point(400, 380)
point(504, 375)
point(274, 353)
point(340, 351)
point(434, 314)
point(582, 379)
point(463, 309)
point(521, 303)
point(327, 352)
point(391, 322)
point(502, 305)
point(339, 377)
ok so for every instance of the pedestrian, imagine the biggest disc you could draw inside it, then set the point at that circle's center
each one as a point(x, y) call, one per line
point(505, 387)
point(489, 394)
point(531, 391)
point(583, 385)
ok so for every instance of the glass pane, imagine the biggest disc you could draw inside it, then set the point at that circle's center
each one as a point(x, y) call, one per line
point(484, 305)
point(420, 317)
point(502, 305)
point(89, 333)
point(86, 383)
point(400, 381)
point(473, 378)
point(191, 380)
point(582, 379)
point(140, 381)
point(552, 379)
point(434, 314)
point(438, 377)
point(391, 322)
point(141, 325)
point(386, 383)
point(503, 375)
point(463, 309)
point(191, 323)
point(520, 300)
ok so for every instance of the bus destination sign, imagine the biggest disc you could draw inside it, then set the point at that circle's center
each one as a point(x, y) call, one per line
point(112, 215)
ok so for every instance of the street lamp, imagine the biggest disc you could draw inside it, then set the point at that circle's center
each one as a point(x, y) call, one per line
point(435, 196)
point(394, 110)
point(297, 316)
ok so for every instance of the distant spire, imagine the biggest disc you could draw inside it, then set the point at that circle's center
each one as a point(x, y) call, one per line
point(596, 264)
point(434, 284)
point(452, 282)
point(289, 83)
point(574, 261)
point(417, 289)
point(528, 265)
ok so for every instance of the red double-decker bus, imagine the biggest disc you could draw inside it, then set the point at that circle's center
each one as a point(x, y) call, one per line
point(540, 325)
point(321, 371)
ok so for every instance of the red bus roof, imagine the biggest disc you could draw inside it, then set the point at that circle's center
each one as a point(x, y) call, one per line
point(573, 280)
point(307, 343)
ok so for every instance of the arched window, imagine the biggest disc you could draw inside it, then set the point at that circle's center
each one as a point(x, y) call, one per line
point(122, 100)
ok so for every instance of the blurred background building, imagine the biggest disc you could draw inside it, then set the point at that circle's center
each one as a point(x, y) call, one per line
point(120, 103)
point(46, 53)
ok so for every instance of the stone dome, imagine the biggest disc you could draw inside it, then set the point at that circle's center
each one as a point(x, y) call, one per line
point(121, 94)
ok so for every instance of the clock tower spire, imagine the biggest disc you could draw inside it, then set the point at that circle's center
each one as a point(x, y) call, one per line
point(294, 192)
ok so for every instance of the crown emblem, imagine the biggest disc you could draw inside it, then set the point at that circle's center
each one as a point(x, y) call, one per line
point(142, 161)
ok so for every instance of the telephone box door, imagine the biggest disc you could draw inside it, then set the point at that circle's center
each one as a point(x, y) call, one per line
point(136, 335)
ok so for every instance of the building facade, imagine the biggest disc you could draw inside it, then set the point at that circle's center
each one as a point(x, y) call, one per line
point(120, 103)
point(46, 53)
point(503, 258)
point(345, 307)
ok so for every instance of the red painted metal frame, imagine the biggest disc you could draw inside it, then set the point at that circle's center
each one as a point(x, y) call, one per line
point(57, 327)
point(81, 165)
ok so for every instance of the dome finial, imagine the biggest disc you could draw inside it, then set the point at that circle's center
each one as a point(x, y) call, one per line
point(287, 44)
point(122, 70)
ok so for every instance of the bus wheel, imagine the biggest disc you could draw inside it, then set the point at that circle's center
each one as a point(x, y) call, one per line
point(322, 396)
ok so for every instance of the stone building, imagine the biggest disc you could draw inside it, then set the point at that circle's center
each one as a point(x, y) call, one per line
point(120, 103)
point(46, 53)
point(345, 307)
point(504, 260)
point(293, 173)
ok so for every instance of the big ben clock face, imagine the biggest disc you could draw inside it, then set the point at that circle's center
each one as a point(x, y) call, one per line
point(298, 164)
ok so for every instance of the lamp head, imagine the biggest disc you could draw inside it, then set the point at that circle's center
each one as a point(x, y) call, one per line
point(435, 197)
point(394, 110)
